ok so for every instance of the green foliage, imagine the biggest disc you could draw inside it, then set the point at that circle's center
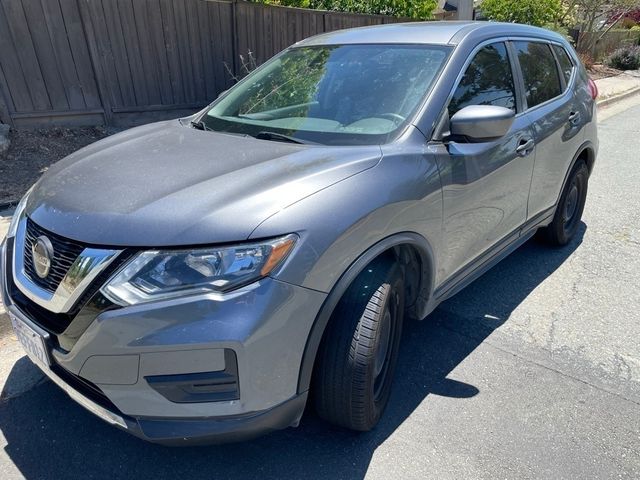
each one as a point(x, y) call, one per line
point(285, 3)
point(417, 9)
point(625, 58)
point(421, 9)
point(533, 12)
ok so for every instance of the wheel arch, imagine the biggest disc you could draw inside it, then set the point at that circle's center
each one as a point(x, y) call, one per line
point(403, 245)
point(586, 152)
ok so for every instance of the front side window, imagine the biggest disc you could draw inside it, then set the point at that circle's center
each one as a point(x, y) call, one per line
point(487, 81)
point(333, 94)
point(566, 65)
point(539, 72)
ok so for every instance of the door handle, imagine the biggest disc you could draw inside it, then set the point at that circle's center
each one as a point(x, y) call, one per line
point(574, 118)
point(525, 147)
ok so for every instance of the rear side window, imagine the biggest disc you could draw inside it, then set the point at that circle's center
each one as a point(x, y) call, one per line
point(487, 81)
point(566, 65)
point(539, 72)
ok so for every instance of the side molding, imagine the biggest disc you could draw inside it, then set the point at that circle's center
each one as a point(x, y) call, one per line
point(322, 319)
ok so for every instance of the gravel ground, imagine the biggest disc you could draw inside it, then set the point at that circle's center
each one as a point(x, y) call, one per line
point(598, 71)
point(33, 151)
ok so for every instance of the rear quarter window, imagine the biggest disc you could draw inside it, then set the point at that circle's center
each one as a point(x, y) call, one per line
point(566, 65)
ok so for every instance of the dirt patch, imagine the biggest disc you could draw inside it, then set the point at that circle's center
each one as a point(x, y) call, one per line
point(598, 71)
point(32, 152)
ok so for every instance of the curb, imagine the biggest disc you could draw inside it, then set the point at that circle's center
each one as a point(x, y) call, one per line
point(616, 98)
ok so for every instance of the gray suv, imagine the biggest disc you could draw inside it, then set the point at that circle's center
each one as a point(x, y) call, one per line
point(201, 279)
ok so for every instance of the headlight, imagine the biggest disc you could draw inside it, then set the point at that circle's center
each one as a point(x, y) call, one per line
point(159, 275)
point(17, 215)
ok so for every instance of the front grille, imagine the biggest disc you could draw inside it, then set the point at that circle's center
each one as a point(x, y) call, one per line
point(65, 253)
point(89, 306)
point(54, 323)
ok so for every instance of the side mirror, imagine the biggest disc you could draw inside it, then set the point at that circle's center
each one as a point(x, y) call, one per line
point(481, 123)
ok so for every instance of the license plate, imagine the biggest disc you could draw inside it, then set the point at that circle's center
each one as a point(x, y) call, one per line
point(31, 341)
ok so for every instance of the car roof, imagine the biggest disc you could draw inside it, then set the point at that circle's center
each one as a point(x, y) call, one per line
point(433, 33)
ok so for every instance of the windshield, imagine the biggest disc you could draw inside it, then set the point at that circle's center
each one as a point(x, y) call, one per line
point(333, 95)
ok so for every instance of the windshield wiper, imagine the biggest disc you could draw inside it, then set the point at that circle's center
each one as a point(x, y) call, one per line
point(200, 125)
point(279, 137)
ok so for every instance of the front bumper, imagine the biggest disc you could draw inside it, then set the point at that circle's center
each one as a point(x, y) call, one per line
point(206, 431)
point(112, 366)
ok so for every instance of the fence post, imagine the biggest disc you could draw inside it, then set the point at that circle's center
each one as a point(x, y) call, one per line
point(94, 54)
point(234, 38)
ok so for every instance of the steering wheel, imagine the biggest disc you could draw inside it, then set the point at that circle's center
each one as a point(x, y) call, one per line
point(394, 117)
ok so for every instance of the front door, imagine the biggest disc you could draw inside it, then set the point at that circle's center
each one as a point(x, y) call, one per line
point(485, 185)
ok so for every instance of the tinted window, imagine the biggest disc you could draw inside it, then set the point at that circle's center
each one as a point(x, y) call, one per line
point(487, 81)
point(565, 62)
point(539, 71)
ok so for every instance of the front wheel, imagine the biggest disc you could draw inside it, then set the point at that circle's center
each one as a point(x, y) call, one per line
point(359, 351)
point(570, 207)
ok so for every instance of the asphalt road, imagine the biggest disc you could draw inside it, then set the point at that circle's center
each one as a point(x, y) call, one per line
point(531, 372)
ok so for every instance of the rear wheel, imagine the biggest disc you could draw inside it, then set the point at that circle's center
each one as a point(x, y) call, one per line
point(359, 351)
point(569, 212)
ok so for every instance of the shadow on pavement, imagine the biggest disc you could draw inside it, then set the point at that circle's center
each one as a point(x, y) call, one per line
point(49, 436)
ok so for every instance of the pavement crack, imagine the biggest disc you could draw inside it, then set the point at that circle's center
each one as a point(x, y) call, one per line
point(541, 365)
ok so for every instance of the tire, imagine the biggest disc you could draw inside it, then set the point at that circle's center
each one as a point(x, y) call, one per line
point(570, 207)
point(359, 351)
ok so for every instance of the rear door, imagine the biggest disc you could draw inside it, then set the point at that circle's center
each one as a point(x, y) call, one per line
point(548, 75)
point(485, 185)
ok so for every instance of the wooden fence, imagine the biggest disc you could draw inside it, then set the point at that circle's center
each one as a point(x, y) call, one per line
point(121, 62)
point(600, 45)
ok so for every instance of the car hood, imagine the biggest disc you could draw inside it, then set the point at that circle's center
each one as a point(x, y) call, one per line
point(166, 184)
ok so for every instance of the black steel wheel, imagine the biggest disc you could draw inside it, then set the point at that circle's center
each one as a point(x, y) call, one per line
point(570, 207)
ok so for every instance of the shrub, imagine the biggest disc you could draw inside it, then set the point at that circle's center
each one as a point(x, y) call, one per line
point(586, 59)
point(626, 23)
point(625, 58)
point(417, 9)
